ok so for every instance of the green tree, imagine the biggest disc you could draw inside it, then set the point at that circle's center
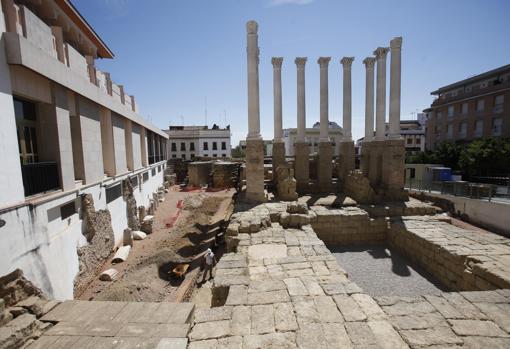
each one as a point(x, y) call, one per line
point(486, 157)
point(448, 153)
point(237, 152)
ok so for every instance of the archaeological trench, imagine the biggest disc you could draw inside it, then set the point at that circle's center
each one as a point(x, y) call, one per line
point(282, 279)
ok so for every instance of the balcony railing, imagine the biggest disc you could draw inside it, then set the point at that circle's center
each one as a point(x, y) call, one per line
point(40, 177)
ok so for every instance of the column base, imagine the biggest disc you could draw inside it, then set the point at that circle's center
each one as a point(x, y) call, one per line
point(278, 157)
point(255, 171)
point(302, 166)
point(346, 161)
point(325, 167)
point(365, 157)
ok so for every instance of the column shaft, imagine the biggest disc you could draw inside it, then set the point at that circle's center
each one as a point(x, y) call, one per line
point(369, 99)
point(347, 98)
point(301, 106)
point(324, 107)
point(380, 111)
point(253, 81)
point(395, 81)
point(277, 95)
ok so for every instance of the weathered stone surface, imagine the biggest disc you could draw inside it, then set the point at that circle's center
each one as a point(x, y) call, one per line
point(241, 321)
point(477, 328)
point(267, 251)
point(296, 287)
point(210, 330)
point(109, 275)
point(328, 312)
point(270, 341)
point(262, 319)
point(285, 320)
point(349, 308)
point(431, 336)
point(212, 314)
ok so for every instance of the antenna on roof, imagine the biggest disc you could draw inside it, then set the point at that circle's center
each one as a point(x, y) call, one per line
point(205, 109)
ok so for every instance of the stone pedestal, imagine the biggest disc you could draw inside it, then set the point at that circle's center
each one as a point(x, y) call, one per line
point(365, 158)
point(393, 169)
point(346, 161)
point(325, 167)
point(278, 157)
point(255, 170)
point(375, 163)
point(301, 166)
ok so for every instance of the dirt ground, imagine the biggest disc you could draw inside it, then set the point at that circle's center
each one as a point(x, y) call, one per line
point(144, 276)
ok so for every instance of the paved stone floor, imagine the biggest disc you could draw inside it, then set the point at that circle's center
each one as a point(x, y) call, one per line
point(105, 325)
point(382, 271)
point(301, 298)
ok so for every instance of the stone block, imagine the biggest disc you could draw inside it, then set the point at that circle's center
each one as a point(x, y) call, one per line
point(255, 170)
point(325, 167)
point(301, 166)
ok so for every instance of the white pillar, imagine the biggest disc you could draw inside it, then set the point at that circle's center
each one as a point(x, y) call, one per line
point(369, 98)
point(380, 109)
point(253, 81)
point(301, 107)
point(395, 81)
point(324, 108)
point(347, 98)
point(277, 94)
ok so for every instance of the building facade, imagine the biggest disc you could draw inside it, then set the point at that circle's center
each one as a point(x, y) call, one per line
point(67, 130)
point(189, 142)
point(477, 107)
point(312, 135)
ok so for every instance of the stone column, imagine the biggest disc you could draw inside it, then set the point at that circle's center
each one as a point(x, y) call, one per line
point(301, 150)
point(346, 152)
point(278, 145)
point(395, 65)
point(254, 143)
point(369, 114)
point(380, 109)
point(325, 167)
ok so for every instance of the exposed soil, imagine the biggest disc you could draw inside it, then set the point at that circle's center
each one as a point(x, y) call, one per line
point(145, 275)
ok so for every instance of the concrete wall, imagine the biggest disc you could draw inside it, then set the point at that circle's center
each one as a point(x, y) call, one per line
point(38, 241)
point(137, 147)
point(119, 144)
point(491, 215)
point(38, 33)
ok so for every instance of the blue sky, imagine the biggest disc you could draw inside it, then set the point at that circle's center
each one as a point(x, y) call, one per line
point(173, 55)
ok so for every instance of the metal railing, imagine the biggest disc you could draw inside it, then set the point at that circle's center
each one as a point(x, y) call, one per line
point(40, 177)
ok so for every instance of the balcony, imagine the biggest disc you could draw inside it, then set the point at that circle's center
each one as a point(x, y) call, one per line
point(40, 177)
point(46, 39)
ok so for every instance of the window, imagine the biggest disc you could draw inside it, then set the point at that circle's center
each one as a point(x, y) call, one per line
point(206, 146)
point(464, 108)
point(418, 140)
point(183, 156)
point(145, 176)
point(174, 146)
point(153, 172)
point(192, 146)
point(498, 103)
point(192, 156)
point(449, 131)
point(497, 126)
point(412, 173)
point(223, 145)
point(113, 192)
point(214, 146)
point(206, 155)
point(215, 155)
point(27, 132)
point(439, 114)
point(67, 210)
point(409, 141)
point(224, 155)
point(480, 105)
point(478, 128)
point(174, 156)
point(450, 111)
point(462, 129)
point(134, 181)
point(159, 168)
point(183, 146)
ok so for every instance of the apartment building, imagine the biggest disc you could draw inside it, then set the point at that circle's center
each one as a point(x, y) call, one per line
point(189, 142)
point(67, 130)
point(472, 108)
point(335, 134)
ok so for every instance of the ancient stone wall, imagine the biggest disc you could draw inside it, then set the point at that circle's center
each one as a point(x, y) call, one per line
point(199, 173)
point(131, 208)
point(101, 241)
point(225, 174)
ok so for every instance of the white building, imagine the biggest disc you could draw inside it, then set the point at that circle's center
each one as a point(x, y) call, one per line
point(189, 142)
point(312, 137)
point(67, 130)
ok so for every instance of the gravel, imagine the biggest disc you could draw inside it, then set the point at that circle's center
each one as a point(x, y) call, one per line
point(384, 272)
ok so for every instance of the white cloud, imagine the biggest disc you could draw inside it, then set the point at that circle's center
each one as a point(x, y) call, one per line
point(289, 2)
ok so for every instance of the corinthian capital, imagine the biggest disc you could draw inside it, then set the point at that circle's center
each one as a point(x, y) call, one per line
point(381, 52)
point(324, 61)
point(252, 27)
point(369, 62)
point(277, 62)
point(347, 61)
point(300, 62)
point(396, 43)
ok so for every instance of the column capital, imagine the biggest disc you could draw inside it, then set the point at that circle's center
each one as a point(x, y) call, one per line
point(324, 61)
point(396, 43)
point(369, 62)
point(381, 52)
point(252, 27)
point(347, 61)
point(300, 62)
point(277, 62)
